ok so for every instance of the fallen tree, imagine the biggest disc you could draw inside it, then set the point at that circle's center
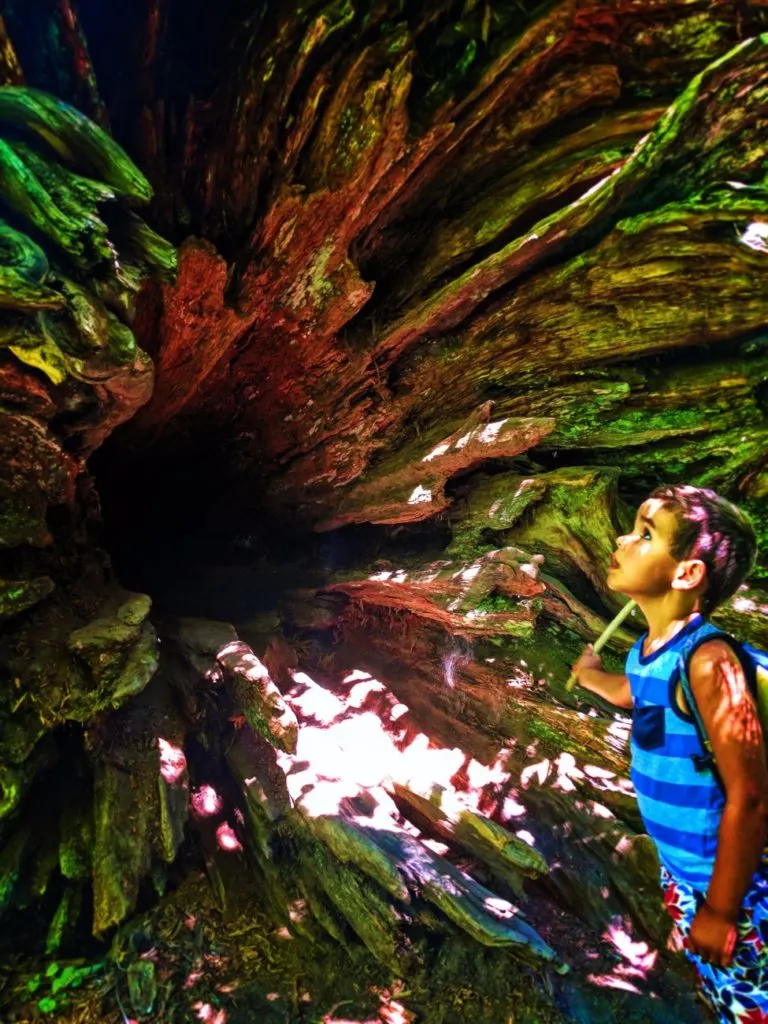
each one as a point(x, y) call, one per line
point(450, 289)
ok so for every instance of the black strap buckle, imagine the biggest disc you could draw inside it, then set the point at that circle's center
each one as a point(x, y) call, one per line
point(703, 762)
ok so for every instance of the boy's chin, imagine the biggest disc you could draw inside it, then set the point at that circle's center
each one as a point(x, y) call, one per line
point(614, 584)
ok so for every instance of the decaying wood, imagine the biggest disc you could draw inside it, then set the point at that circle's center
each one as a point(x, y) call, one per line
point(456, 285)
point(257, 696)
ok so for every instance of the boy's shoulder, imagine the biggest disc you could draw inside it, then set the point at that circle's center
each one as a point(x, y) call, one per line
point(720, 660)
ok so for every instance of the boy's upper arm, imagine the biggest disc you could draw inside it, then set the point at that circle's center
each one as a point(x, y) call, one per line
point(730, 717)
point(628, 700)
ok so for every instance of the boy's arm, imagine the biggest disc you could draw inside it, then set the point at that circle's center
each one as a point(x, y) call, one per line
point(730, 718)
point(614, 688)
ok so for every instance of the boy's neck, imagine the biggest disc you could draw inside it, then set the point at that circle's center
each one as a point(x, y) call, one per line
point(667, 615)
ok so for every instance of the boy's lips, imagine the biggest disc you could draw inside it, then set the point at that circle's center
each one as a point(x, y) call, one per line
point(613, 564)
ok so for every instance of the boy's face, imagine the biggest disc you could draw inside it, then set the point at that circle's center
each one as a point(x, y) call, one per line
point(643, 564)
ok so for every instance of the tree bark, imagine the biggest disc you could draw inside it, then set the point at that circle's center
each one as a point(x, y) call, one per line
point(449, 288)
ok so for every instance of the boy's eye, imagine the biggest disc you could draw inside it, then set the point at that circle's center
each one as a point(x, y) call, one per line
point(646, 534)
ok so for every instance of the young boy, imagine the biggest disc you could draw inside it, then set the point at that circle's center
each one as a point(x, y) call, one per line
point(688, 552)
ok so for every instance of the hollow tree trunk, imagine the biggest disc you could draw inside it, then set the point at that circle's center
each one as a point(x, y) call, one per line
point(451, 286)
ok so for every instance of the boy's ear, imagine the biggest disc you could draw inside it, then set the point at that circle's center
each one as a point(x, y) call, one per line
point(689, 574)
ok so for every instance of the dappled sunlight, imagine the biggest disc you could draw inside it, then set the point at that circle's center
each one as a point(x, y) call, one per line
point(395, 1013)
point(344, 750)
point(362, 690)
point(602, 779)
point(437, 452)
point(327, 1019)
point(512, 808)
point(637, 960)
point(389, 576)
point(617, 733)
point(435, 846)
point(209, 1015)
point(420, 495)
point(391, 1011)
point(638, 955)
point(539, 771)
point(480, 775)
point(227, 839)
point(491, 432)
point(360, 757)
point(467, 575)
point(569, 775)
point(729, 710)
point(500, 907)
point(206, 802)
point(755, 236)
point(746, 604)
point(612, 981)
point(298, 911)
point(358, 739)
point(486, 596)
point(173, 762)
point(314, 701)
point(520, 677)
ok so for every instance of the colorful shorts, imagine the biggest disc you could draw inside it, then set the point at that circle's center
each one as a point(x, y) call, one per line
point(739, 993)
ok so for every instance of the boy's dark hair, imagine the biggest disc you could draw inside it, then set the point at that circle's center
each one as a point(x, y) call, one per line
point(714, 530)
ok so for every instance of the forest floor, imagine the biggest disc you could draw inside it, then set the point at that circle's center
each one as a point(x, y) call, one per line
point(237, 967)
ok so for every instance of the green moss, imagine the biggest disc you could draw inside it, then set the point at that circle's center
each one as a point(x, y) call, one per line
point(467, 58)
point(17, 596)
point(629, 425)
point(758, 513)
point(320, 286)
point(21, 522)
point(497, 603)
point(698, 34)
point(497, 503)
point(552, 738)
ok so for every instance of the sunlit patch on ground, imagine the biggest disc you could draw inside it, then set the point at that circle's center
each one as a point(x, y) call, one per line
point(637, 960)
point(206, 802)
point(227, 838)
point(208, 1015)
point(357, 742)
point(173, 762)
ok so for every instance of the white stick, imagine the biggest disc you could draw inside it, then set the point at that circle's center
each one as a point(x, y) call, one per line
point(605, 636)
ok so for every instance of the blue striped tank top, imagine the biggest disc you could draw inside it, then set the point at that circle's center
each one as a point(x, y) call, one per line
point(681, 806)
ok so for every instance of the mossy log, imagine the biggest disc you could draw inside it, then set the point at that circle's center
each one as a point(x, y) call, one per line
point(508, 858)
point(257, 696)
point(457, 284)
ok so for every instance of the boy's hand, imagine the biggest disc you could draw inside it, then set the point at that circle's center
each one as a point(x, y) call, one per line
point(713, 936)
point(588, 661)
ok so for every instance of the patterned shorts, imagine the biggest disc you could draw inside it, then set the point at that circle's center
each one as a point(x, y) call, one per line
point(739, 993)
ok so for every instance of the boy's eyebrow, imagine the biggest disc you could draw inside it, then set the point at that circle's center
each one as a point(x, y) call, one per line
point(648, 520)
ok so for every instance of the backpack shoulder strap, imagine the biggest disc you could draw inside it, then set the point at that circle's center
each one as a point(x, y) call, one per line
point(707, 759)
